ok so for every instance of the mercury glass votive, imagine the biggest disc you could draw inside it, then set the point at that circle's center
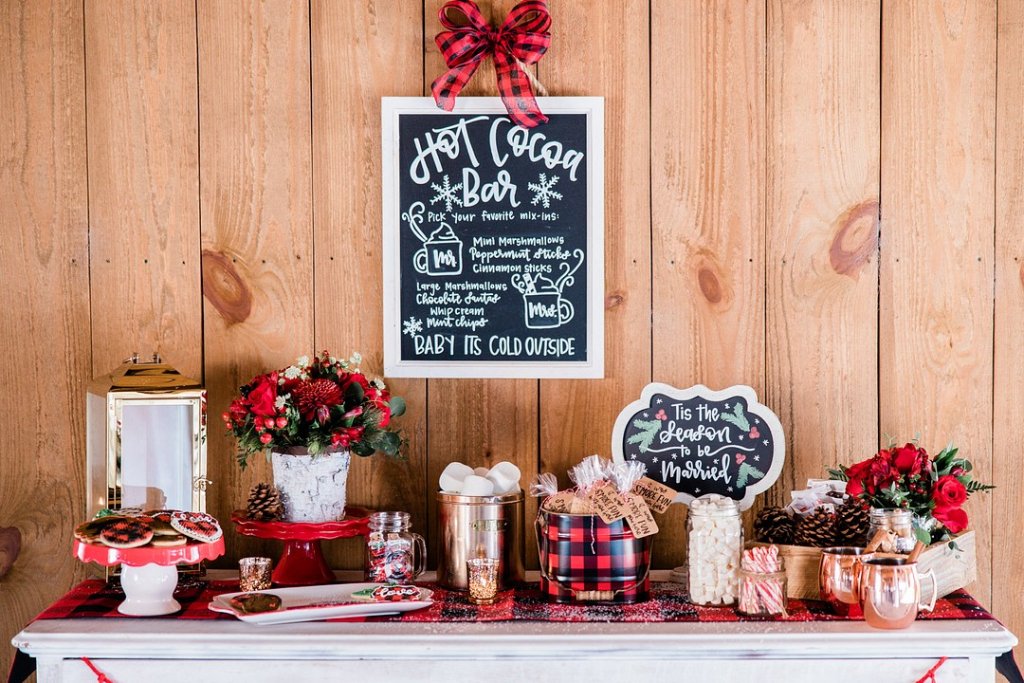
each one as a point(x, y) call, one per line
point(254, 573)
point(483, 579)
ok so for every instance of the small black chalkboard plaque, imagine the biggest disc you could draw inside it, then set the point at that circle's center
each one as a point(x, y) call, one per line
point(493, 240)
point(698, 441)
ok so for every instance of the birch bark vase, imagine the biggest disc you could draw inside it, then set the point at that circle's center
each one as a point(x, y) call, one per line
point(313, 488)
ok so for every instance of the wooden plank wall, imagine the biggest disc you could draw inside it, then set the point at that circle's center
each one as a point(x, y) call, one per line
point(820, 198)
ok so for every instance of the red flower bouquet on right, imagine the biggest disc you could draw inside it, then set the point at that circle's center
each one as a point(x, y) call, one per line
point(933, 489)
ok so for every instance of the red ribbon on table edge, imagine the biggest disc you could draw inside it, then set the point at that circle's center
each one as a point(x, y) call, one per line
point(521, 40)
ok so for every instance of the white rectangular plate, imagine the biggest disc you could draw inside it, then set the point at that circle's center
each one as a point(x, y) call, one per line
point(315, 603)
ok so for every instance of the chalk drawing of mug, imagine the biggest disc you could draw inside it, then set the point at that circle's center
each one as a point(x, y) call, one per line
point(543, 304)
point(547, 309)
point(441, 253)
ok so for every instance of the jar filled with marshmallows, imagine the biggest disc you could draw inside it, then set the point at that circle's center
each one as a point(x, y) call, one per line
point(715, 543)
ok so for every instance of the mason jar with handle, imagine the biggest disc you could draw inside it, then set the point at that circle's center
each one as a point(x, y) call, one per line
point(394, 554)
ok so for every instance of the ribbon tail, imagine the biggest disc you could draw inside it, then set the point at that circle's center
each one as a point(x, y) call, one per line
point(448, 85)
point(517, 96)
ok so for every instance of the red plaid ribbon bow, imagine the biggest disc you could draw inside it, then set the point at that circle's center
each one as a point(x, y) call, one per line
point(522, 39)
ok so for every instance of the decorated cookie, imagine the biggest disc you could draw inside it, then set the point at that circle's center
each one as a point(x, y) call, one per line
point(254, 603)
point(161, 515)
point(197, 525)
point(168, 541)
point(89, 532)
point(126, 533)
point(395, 593)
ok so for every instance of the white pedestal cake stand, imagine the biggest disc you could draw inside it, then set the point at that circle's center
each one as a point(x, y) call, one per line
point(150, 575)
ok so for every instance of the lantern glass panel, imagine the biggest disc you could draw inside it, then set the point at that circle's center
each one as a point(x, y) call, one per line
point(157, 454)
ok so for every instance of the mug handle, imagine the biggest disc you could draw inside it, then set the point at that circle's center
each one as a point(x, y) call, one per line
point(935, 591)
point(565, 311)
point(420, 264)
point(420, 565)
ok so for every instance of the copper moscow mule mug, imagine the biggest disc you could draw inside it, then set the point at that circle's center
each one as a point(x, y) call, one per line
point(839, 577)
point(890, 592)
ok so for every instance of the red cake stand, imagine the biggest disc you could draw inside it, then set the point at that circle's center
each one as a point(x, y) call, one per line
point(303, 563)
point(150, 574)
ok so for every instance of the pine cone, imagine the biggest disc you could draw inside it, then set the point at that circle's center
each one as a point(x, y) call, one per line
point(773, 525)
point(852, 523)
point(816, 529)
point(264, 504)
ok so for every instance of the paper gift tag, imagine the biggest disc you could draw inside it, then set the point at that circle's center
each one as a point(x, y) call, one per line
point(639, 516)
point(657, 496)
point(559, 502)
point(608, 502)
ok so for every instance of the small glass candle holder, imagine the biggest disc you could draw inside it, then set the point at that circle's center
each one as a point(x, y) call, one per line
point(483, 580)
point(254, 573)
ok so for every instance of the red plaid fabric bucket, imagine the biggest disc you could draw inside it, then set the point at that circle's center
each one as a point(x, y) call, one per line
point(585, 560)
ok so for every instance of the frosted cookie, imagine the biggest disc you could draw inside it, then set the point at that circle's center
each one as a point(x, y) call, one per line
point(197, 525)
point(168, 541)
point(254, 603)
point(395, 593)
point(126, 533)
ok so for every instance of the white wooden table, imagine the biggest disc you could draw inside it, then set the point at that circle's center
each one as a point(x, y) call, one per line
point(192, 651)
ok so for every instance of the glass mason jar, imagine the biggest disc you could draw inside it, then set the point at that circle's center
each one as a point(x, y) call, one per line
point(715, 543)
point(900, 525)
point(762, 594)
point(394, 554)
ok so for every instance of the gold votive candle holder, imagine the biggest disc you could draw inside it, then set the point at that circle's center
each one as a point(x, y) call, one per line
point(483, 580)
point(254, 573)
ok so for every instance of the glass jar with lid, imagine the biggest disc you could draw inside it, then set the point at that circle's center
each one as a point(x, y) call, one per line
point(394, 554)
point(899, 524)
point(715, 543)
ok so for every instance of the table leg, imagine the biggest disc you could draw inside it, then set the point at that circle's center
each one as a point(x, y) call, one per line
point(302, 564)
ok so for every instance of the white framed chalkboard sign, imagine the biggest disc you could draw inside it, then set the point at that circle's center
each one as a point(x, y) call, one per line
point(699, 441)
point(493, 239)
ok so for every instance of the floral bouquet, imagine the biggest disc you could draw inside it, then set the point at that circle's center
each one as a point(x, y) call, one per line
point(933, 489)
point(319, 405)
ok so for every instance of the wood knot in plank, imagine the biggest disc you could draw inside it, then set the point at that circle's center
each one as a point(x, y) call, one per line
point(614, 300)
point(710, 285)
point(224, 288)
point(855, 238)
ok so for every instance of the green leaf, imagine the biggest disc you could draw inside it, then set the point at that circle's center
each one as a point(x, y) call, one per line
point(838, 473)
point(923, 535)
point(397, 405)
point(363, 449)
point(737, 417)
point(354, 394)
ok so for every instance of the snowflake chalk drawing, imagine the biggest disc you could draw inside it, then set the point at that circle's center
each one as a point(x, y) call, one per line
point(694, 445)
point(542, 192)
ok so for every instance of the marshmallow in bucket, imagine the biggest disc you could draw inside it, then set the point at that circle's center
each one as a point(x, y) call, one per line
point(501, 479)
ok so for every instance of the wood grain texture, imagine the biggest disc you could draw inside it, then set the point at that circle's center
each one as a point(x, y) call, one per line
point(1007, 438)
point(478, 421)
point(143, 182)
point(707, 194)
point(44, 329)
point(256, 209)
point(822, 247)
point(596, 53)
point(356, 50)
point(937, 187)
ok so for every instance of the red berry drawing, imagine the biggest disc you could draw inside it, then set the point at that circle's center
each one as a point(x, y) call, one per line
point(740, 458)
point(661, 414)
point(754, 433)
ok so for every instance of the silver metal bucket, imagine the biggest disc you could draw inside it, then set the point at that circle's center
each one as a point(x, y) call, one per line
point(480, 526)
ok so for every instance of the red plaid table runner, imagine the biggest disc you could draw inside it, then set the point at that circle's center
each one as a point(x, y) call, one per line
point(94, 598)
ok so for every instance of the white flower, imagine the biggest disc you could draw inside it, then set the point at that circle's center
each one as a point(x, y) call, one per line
point(356, 359)
point(302, 361)
point(281, 400)
point(378, 383)
point(292, 372)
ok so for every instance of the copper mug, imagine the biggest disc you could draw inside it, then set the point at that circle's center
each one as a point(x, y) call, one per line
point(890, 592)
point(839, 577)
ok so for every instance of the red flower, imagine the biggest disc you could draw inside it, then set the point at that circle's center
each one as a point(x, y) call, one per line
point(346, 436)
point(354, 378)
point(949, 492)
point(881, 475)
point(953, 518)
point(265, 438)
point(910, 459)
point(262, 396)
point(856, 474)
point(316, 398)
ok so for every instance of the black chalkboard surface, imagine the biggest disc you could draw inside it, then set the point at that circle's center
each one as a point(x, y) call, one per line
point(493, 252)
point(698, 441)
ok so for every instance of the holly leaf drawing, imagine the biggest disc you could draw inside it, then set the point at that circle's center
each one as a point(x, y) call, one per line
point(648, 430)
point(737, 417)
point(745, 472)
